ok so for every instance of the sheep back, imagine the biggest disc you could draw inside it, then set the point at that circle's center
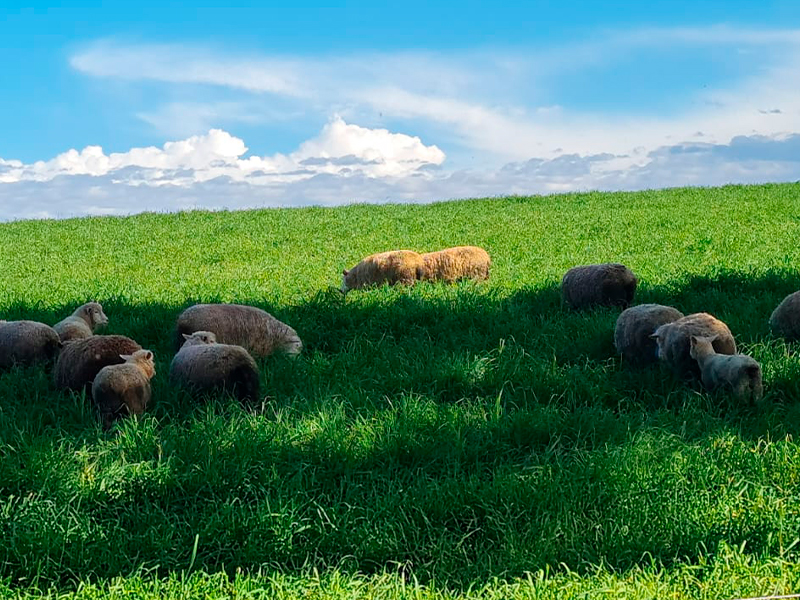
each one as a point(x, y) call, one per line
point(634, 327)
point(609, 284)
point(81, 360)
point(120, 390)
point(785, 319)
point(392, 267)
point(207, 367)
point(455, 264)
point(27, 343)
point(674, 341)
point(252, 328)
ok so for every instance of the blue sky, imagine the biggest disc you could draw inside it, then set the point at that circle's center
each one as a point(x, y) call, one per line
point(368, 101)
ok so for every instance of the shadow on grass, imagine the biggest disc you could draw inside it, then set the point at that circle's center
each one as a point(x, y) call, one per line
point(461, 433)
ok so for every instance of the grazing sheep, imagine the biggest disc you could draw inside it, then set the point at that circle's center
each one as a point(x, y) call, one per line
point(81, 360)
point(738, 372)
point(393, 267)
point(82, 323)
point(120, 390)
point(785, 320)
point(609, 284)
point(632, 334)
point(26, 343)
point(202, 364)
point(254, 329)
point(455, 264)
point(673, 340)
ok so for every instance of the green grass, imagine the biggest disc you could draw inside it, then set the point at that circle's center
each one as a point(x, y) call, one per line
point(474, 441)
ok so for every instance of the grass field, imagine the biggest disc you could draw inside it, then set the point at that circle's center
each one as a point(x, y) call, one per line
point(472, 441)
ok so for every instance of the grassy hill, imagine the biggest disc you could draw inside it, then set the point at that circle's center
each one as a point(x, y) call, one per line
point(432, 442)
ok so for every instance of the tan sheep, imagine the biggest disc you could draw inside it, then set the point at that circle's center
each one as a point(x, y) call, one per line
point(455, 264)
point(609, 284)
point(81, 360)
point(393, 267)
point(26, 343)
point(785, 319)
point(254, 329)
point(81, 323)
point(673, 340)
point(635, 326)
point(121, 390)
point(738, 372)
point(202, 364)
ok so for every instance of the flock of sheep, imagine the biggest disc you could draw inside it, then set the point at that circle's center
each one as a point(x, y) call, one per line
point(215, 343)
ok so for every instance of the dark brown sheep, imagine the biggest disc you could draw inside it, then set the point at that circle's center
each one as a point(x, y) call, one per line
point(674, 341)
point(635, 326)
point(609, 284)
point(26, 343)
point(785, 319)
point(81, 360)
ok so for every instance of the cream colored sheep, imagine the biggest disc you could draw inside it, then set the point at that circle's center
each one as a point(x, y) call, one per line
point(254, 329)
point(785, 319)
point(81, 360)
point(81, 323)
point(635, 326)
point(121, 390)
point(738, 372)
point(393, 267)
point(673, 340)
point(608, 284)
point(27, 343)
point(202, 364)
point(455, 264)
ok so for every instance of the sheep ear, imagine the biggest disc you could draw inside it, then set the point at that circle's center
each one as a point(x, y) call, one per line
point(126, 357)
point(148, 355)
point(345, 272)
point(693, 340)
point(711, 338)
point(654, 336)
point(186, 336)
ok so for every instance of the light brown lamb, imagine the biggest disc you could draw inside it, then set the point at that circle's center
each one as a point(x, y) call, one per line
point(81, 360)
point(81, 323)
point(608, 284)
point(123, 390)
point(635, 326)
point(454, 264)
point(785, 319)
point(26, 343)
point(393, 267)
point(254, 329)
point(739, 373)
point(202, 364)
point(674, 341)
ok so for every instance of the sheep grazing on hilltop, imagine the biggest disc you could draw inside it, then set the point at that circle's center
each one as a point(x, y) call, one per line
point(609, 284)
point(254, 329)
point(202, 364)
point(785, 320)
point(455, 264)
point(393, 267)
point(635, 326)
point(81, 360)
point(27, 343)
point(82, 323)
point(674, 341)
point(738, 372)
point(123, 390)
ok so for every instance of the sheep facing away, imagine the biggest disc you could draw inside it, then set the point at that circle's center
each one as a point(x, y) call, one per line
point(27, 343)
point(738, 372)
point(254, 329)
point(202, 364)
point(82, 323)
point(785, 319)
point(81, 360)
point(634, 328)
point(674, 340)
point(608, 284)
point(455, 264)
point(123, 390)
point(393, 267)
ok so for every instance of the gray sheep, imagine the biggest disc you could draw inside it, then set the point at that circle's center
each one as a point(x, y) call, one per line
point(785, 319)
point(26, 343)
point(202, 365)
point(635, 326)
point(609, 284)
point(674, 340)
point(255, 330)
point(739, 373)
point(82, 323)
point(81, 360)
point(121, 390)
